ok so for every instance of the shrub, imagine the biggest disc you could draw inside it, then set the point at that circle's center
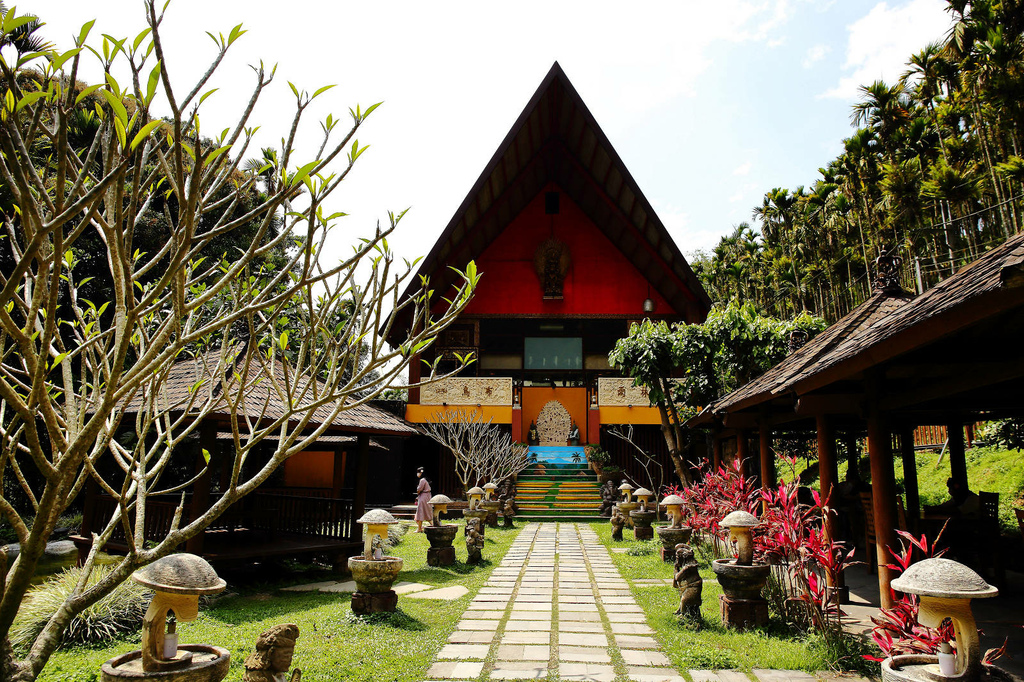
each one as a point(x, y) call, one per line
point(118, 613)
point(643, 548)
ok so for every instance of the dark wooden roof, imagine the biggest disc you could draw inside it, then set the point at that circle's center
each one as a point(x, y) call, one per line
point(193, 377)
point(556, 139)
point(938, 345)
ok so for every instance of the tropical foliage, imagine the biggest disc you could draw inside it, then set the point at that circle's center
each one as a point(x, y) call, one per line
point(934, 174)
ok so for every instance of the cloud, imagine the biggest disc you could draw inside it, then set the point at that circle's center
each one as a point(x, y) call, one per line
point(737, 197)
point(743, 169)
point(815, 55)
point(776, 42)
point(881, 42)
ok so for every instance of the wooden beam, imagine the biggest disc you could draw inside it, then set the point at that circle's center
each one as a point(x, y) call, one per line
point(361, 482)
point(974, 376)
point(742, 450)
point(836, 403)
point(740, 420)
point(764, 435)
point(957, 457)
point(910, 476)
point(883, 499)
point(828, 475)
point(716, 449)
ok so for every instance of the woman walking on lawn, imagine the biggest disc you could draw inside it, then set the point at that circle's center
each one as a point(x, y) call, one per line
point(423, 511)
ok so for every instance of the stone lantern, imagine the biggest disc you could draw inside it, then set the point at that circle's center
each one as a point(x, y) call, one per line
point(490, 504)
point(675, 533)
point(475, 511)
point(642, 518)
point(742, 579)
point(177, 582)
point(373, 572)
point(946, 589)
point(440, 552)
point(627, 506)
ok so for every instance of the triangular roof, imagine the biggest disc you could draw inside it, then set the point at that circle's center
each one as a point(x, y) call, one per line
point(556, 139)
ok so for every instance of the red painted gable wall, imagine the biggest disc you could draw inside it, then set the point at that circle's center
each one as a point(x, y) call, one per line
point(600, 281)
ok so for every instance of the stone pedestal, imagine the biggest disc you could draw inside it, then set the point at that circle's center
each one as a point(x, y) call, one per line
point(670, 537)
point(627, 508)
point(641, 522)
point(364, 603)
point(440, 556)
point(743, 613)
point(643, 532)
point(491, 507)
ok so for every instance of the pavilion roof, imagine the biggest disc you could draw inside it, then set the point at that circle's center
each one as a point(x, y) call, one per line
point(556, 139)
point(887, 326)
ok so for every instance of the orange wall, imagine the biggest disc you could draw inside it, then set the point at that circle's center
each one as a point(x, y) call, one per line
point(573, 399)
point(600, 281)
point(420, 414)
point(309, 469)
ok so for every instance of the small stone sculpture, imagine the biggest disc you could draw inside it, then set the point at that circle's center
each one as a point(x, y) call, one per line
point(273, 656)
point(618, 521)
point(474, 541)
point(608, 495)
point(574, 434)
point(533, 436)
point(688, 581)
point(509, 512)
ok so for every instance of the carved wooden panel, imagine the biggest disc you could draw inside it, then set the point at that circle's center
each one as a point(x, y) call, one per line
point(468, 391)
point(620, 392)
point(553, 424)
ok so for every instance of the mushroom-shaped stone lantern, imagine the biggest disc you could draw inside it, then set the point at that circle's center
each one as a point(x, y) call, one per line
point(742, 579)
point(675, 533)
point(440, 552)
point(627, 505)
point(177, 582)
point(946, 589)
point(642, 518)
point(373, 572)
point(627, 492)
point(475, 511)
point(490, 504)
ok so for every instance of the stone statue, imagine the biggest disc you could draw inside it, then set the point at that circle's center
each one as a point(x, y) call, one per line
point(608, 495)
point(618, 521)
point(574, 435)
point(509, 511)
point(273, 656)
point(533, 436)
point(688, 581)
point(507, 490)
point(474, 541)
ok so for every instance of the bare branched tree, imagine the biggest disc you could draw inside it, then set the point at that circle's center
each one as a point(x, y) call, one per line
point(650, 465)
point(282, 340)
point(483, 451)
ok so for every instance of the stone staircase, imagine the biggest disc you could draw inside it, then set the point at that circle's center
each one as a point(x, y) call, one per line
point(562, 492)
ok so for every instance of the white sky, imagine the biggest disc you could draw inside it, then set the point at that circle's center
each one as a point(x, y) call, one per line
point(709, 104)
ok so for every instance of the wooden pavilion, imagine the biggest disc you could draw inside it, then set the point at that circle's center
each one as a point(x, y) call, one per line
point(306, 508)
point(571, 253)
point(951, 356)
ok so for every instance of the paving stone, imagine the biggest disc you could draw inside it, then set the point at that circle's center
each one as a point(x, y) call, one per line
point(477, 625)
point(627, 618)
point(585, 672)
point(528, 625)
point(450, 593)
point(406, 587)
point(450, 670)
point(519, 671)
point(464, 651)
point(525, 637)
point(313, 587)
point(636, 642)
point(631, 629)
point(485, 615)
point(582, 654)
point(531, 606)
point(704, 676)
point(733, 676)
point(586, 616)
point(584, 639)
point(829, 676)
point(645, 674)
point(347, 586)
point(565, 626)
point(471, 637)
point(644, 657)
point(582, 608)
point(764, 675)
point(617, 599)
point(523, 652)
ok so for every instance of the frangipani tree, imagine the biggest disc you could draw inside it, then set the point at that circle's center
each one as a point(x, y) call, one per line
point(483, 451)
point(71, 369)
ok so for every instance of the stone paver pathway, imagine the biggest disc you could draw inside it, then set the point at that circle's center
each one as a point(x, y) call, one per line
point(557, 606)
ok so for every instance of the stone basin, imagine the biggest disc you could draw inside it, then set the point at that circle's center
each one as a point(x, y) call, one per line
point(670, 537)
point(209, 664)
point(441, 536)
point(925, 668)
point(374, 575)
point(643, 518)
point(739, 581)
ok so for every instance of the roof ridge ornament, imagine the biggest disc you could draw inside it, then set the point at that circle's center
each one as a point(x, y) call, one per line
point(887, 275)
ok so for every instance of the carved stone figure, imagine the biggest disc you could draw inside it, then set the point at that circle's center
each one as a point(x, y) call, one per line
point(533, 436)
point(474, 541)
point(273, 656)
point(608, 495)
point(688, 581)
point(574, 434)
point(551, 262)
point(507, 490)
point(509, 512)
point(618, 521)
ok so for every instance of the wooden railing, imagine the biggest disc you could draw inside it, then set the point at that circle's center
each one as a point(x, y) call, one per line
point(271, 512)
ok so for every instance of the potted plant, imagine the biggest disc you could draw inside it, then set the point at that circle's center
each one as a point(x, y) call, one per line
point(597, 457)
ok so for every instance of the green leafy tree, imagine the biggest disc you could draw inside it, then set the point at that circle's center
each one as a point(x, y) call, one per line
point(72, 368)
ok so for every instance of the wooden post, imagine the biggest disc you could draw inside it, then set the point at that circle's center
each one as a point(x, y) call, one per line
point(338, 478)
point(716, 449)
point(414, 378)
point(852, 458)
point(764, 433)
point(957, 457)
point(361, 482)
point(883, 495)
point(910, 476)
point(201, 489)
point(828, 475)
point(741, 450)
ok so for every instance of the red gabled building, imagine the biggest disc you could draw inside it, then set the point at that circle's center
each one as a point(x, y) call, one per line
point(571, 252)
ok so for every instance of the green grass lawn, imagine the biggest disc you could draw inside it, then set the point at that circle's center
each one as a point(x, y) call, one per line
point(713, 646)
point(333, 644)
